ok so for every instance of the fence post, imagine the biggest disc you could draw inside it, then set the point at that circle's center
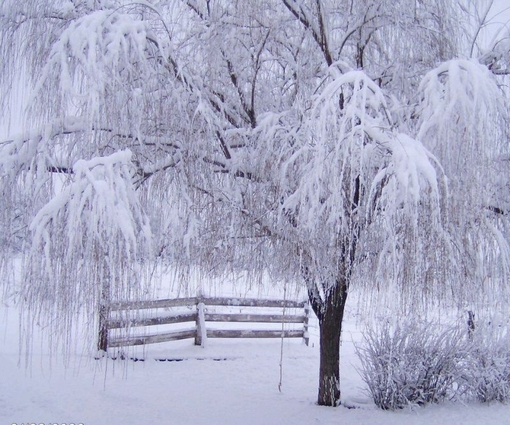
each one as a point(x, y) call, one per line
point(306, 336)
point(104, 302)
point(104, 314)
point(201, 336)
point(471, 324)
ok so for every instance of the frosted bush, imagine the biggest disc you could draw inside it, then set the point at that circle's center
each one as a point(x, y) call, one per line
point(487, 377)
point(410, 364)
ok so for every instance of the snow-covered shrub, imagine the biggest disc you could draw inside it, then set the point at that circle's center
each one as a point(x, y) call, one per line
point(487, 375)
point(410, 364)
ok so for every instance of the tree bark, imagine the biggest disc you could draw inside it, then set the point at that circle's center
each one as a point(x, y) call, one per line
point(330, 324)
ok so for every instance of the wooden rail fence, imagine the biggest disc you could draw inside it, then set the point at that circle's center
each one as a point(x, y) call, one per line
point(117, 316)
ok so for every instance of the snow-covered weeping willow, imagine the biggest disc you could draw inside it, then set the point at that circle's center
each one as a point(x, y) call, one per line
point(359, 195)
point(92, 242)
point(287, 139)
point(461, 114)
point(89, 246)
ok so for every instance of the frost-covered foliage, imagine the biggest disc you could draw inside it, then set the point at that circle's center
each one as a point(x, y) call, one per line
point(486, 376)
point(290, 139)
point(351, 173)
point(96, 49)
point(72, 244)
point(411, 364)
point(414, 363)
point(460, 119)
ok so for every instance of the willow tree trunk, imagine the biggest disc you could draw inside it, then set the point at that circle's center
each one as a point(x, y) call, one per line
point(330, 318)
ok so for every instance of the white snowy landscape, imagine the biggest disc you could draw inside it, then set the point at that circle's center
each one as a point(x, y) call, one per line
point(175, 172)
point(227, 382)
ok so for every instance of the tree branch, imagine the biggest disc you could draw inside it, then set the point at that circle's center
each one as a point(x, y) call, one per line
point(496, 210)
point(318, 35)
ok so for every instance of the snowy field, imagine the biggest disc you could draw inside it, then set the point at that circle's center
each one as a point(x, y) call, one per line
point(228, 382)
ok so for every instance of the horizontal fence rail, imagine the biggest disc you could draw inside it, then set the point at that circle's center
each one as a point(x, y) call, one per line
point(185, 302)
point(153, 339)
point(111, 317)
point(151, 321)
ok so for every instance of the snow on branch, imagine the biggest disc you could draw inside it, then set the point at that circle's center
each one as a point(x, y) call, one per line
point(351, 166)
point(497, 58)
point(457, 94)
point(351, 143)
point(21, 150)
point(462, 119)
point(414, 169)
point(99, 206)
point(103, 50)
point(89, 242)
point(96, 42)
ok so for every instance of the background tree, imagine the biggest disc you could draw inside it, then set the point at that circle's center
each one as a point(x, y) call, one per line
point(277, 138)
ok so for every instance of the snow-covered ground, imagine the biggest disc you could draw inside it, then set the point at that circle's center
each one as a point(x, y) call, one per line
point(228, 382)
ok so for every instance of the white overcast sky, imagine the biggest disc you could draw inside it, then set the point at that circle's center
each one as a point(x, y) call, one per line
point(501, 14)
point(501, 5)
